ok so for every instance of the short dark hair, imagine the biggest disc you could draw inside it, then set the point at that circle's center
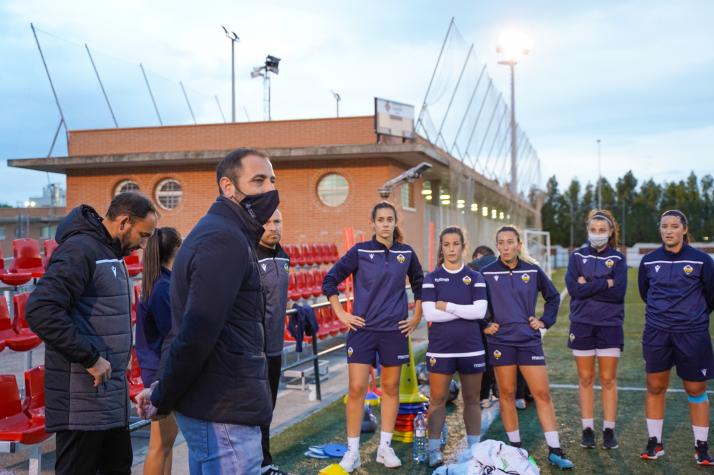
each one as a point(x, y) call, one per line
point(231, 164)
point(135, 205)
point(483, 250)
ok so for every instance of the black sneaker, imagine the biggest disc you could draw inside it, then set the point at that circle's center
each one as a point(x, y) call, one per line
point(701, 454)
point(654, 449)
point(587, 441)
point(272, 470)
point(609, 441)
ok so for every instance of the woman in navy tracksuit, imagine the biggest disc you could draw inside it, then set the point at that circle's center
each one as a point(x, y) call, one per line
point(153, 323)
point(379, 324)
point(676, 282)
point(597, 281)
point(514, 338)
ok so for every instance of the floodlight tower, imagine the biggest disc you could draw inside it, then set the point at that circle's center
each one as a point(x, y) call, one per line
point(234, 39)
point(271, 66)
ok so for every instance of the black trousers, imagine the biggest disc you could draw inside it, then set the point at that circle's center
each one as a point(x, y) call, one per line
point(106, 452)
point(274, 366)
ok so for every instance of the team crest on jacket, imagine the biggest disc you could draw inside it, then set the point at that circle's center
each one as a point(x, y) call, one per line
point(497, 354)
point(525, 278)
point(114, 269)
point(657, 268)
point(285, 266)
point(609, 263)
point(349, 352)
point(688, 269)
point(265, 267)
point(572, 337)
point(432, 361)
point(466, 280)
point(401, 258)
point(495, 277)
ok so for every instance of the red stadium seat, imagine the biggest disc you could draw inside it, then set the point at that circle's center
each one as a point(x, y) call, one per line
point(307, 284)
point(133, 376)
point(50, 245)
point(15, 425)
point(297, 256)
point(316, 288)
point(290, 251)
point(135, 302)
point(6, 330)
point(34, 403)
point(24, 339)
point(14, 279)
point(293, 291)
point(133, 264)
point(307, 254)
point(27, 257)
point(334, 253)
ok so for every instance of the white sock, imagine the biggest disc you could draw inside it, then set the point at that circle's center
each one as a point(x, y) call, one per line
point(654, 428)
point(700, 433)
point(514, 436)
point(434, 444)
point(552, 439)
point(472, 440)
point(588, 423)
point(608, 425)
point(385, 439)
point(353, 444)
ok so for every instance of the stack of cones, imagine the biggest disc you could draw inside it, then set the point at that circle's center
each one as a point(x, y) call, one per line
point(411, 402)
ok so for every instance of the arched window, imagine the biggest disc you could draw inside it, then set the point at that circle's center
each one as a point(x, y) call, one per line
point(169, 193)
point(332, 189)
point(126, 185)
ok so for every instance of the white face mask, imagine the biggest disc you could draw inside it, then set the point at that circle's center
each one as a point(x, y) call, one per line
point(598, 240)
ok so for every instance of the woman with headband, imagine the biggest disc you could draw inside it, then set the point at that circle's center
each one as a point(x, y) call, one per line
point(597, 281)
point(513, 283)
point(676, 282)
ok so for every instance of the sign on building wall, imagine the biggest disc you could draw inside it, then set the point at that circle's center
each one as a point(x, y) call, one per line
point(394, 118)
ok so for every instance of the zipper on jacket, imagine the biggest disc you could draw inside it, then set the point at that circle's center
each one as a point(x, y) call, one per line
point(131, 342)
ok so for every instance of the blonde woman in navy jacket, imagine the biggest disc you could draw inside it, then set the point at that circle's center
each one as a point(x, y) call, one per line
point(513, 283)
point(597, 281)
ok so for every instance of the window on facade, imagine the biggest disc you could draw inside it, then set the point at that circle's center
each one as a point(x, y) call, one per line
point(48, 232)
point(408, 196)
point(333, 189)
point(126, 185)
point(2, 234)
point(169, 193)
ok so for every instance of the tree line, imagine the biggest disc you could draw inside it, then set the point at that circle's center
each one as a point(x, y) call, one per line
point(636, 206)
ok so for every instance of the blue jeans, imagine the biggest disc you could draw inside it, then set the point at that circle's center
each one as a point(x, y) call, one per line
point(215, 448)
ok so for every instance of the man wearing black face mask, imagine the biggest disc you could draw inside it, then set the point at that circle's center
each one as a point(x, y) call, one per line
point(81, 308)
point(214, 368)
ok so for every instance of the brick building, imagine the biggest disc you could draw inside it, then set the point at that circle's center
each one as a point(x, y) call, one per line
point(36, 223)
point(328, 173)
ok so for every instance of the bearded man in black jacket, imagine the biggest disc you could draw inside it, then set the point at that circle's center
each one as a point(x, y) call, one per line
point(81, 308)
point(214, 369)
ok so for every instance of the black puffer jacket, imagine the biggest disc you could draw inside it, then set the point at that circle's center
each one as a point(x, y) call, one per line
point(213, 363)
point(81, 309)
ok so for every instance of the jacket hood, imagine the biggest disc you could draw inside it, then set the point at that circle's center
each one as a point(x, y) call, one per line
point(85, 220)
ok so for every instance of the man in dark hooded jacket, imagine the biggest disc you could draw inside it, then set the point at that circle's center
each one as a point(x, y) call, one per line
point(81, 308)
point(214, 370)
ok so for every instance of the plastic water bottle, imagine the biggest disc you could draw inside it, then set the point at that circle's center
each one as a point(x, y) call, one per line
point(444, 434)
point(419, 450)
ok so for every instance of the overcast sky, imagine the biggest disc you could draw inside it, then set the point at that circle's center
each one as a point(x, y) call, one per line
point(636, 74)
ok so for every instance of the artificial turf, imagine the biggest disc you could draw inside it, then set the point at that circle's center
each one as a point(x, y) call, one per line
point(328, 425)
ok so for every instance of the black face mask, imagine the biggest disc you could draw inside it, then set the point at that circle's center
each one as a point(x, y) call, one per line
point(261, 206)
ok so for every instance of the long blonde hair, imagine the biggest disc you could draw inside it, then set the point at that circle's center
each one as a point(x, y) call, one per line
point(523, 254)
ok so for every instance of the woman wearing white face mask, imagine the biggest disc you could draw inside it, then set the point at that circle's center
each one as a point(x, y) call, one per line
point(597, 281)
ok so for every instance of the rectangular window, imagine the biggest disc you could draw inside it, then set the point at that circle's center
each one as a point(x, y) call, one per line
point(2, 234)
point(408, 196)
point(48, 232)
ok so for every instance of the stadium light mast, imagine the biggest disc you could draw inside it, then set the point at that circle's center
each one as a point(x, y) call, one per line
point(338, 98)
point(512, 46)
point(271, 65)
point(234, 39)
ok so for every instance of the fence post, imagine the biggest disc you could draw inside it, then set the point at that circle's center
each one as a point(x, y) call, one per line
point(316, 364)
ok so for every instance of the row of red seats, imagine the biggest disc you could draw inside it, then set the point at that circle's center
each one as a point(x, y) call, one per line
point(307, 283)
point(16, 334)
point(312, 254)
point(28, 263)
point(329, 325)
point(23, 421)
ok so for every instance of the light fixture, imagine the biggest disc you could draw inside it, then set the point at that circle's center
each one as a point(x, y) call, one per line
point(445, 197)
point(494, 214)
point(501, 215)
point(508, 216)
point(445, 202)
point(484, 211)
point(427, 197)
point(460, 205)
point(474, 207)
point(426, 192)
point(512, 45)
